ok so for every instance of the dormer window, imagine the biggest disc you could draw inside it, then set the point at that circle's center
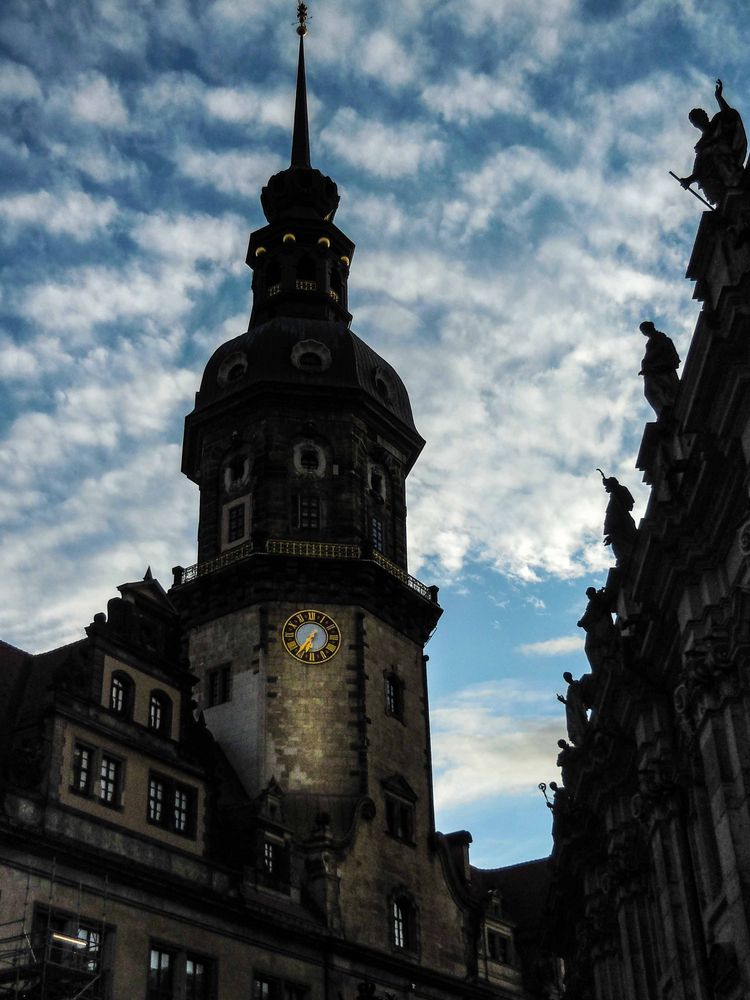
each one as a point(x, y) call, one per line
point(309, 459)
point(121, 695)
point(311, 361)
point(159, 712)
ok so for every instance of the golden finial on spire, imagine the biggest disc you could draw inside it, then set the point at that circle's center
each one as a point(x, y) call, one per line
point(301, 19)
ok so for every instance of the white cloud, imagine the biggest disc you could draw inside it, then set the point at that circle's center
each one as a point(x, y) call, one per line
point(232, 173)
point(492, 740)
point(381, 149)
point(18, 82)
point(553, 647)
point(97, 101)
point(74, 213)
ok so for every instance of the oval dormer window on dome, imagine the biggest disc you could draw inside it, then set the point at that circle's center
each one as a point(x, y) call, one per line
point(311, 356)
point(232, 368)
point(309, 459)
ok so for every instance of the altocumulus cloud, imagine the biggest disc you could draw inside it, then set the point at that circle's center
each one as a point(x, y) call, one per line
point(503, 168)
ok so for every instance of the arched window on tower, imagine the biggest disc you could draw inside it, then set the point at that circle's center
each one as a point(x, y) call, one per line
point(273, 278)
point(336, 290)
point(306, 275)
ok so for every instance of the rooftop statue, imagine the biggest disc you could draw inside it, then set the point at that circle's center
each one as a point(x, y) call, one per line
point(596, 621)
point(720, 151)
point(577, 699)
point(619, 526)
point(659, 368)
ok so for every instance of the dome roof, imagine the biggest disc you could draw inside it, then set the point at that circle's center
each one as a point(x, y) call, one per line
point(303, 353)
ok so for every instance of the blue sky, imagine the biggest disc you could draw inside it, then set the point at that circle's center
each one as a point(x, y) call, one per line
point(503, 168)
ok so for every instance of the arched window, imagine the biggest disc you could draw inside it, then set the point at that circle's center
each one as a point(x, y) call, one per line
point(159, 712)
point(273, 278)
point(336, 289)
point(403, 922)
point(121, 695)
point(306, 275)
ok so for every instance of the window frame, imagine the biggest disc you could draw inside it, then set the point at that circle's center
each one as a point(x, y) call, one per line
point(404, 922)
point(114, 780)
point(218, 685)
point(307, 512)
point(121, 694)
point(178, 984)
point(162, 805)
point(394, 695)
point(377, 534)
point(85, 788)
point(164, 703)
point(400, 818)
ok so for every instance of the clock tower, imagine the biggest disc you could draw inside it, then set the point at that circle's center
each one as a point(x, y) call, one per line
point(300, 618)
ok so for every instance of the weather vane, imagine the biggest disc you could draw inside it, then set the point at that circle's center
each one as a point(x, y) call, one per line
point(301, 18)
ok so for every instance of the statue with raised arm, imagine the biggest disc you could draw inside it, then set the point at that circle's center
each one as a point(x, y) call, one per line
point(619, 526)
point(720, 151)
point(577, 699)
point(659, 368)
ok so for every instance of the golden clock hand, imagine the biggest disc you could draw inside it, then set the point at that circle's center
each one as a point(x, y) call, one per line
point(308, 642)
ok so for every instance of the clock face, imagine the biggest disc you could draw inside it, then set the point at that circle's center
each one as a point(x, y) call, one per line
point(311, 636)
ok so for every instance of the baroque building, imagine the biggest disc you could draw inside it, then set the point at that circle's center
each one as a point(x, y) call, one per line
point(224, 790)
point(651, 869)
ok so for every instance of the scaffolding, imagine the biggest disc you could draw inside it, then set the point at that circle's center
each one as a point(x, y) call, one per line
point(53, 954)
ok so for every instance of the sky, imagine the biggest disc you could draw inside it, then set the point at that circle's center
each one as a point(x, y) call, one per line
point(503, 168)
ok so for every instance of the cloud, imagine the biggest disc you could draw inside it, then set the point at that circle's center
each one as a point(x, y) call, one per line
point(552, 647)
point(492, 740)
point(379, 148)
point(73, 213)
point(233, 173)
point(17, 82)
point(97, 101)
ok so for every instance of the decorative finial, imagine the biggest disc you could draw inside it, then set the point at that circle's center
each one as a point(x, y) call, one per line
point(301, 19)
point(301, 135)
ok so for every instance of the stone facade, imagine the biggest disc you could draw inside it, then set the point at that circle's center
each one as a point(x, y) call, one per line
point(651, 862)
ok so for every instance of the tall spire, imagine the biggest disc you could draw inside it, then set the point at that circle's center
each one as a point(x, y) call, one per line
point(301, 134)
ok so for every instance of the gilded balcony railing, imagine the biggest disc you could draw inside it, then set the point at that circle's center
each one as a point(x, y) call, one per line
point(311, 550)
point(315, 550)
point(211, 565)
point(403, 576)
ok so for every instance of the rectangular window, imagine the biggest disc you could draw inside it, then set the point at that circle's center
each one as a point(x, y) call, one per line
point(155, 801)
point(198, 975)
point(399, 819)
point(394, 696)
point(269, 857)
point(377, 534)
point(82, 767)
point(171, 805)
point(497, 947)
point(110, 780)
point(307, 511)
point(181, 814)
point(236, 522)
point(219, 685)
point(265, 989)
point(160, 975)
